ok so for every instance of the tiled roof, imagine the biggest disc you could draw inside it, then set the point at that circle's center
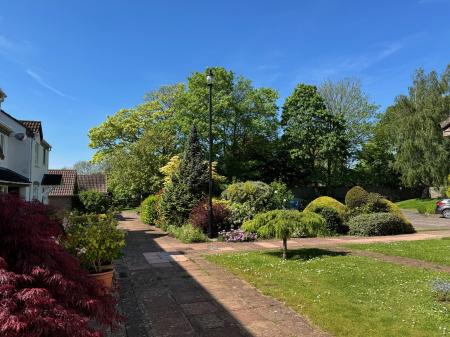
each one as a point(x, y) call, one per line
point(68, 183)
point(34, 126)
point(96, 182)
point(7, 175)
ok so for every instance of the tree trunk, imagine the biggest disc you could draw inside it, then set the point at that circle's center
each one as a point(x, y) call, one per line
point(426, 193)
point(284, 248)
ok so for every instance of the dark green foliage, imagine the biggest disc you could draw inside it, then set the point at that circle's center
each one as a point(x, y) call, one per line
point(316, 139)
point(412, 123)
point(94, 202)
point(148, 209)
point(188, 186)
point(333, 221)
point(378, 224)
point(356, 197)
point(193, 170)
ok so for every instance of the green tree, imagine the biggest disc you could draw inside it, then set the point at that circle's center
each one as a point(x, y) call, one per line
point(135, 143)
point(89, 167)
point(412, 123)
point(375, 162)
point(244, 120)
point(345, 98)
point(189, 183)
point(315, 138)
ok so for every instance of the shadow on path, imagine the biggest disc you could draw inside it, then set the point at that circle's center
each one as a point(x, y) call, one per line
point(178, 293)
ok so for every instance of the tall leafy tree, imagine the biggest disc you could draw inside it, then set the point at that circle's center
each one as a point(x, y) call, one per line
point(422, 154)
point(315, 138)
point(346, 98)
point(244, 120)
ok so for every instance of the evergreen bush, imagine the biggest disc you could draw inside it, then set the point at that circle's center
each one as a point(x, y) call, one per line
point(356, 197)
point(378, 224)
point(325, 201)
point(148, 210)
point(94, 201)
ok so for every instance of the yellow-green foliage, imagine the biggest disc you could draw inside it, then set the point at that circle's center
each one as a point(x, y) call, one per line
point(329, 202)
point(149, 209)
point(282, 224)
point(394, 209)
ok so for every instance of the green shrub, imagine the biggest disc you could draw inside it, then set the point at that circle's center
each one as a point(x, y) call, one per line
point(255, 194)
point(324, 201)
point(187, 233)
point(94, 202)
point(378, 224)
point(283, 224)
point(252, 197)
point(148, 210)
point(94, 239)
point(333, 221)
point(280, 196)
point(356, 197)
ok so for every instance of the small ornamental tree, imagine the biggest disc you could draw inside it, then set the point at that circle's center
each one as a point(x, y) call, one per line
point(282, 224)
point(43, 290)
point(188, 184)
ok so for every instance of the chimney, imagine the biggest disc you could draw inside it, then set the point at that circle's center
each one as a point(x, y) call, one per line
point(2, 97)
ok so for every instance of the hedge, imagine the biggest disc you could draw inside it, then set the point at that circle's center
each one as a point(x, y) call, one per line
point(374, 224)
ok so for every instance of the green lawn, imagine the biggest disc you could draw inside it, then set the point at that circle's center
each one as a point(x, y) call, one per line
point(437, 251)
point(421, 205)
point(347, 295)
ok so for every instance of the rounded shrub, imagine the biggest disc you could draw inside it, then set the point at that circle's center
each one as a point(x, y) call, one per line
point(378, 224)
point(221, 219)
point(324, 201)
point(149, 209)
point(254, 193)
point(94, 201)
point(333, 221)
point(356, 197)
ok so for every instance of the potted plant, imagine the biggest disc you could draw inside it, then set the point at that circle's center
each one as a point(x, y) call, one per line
point(97, 242)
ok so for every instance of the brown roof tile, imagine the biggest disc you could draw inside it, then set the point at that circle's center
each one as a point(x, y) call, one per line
point(95, 182)
point(68, 183)
point(35, 126)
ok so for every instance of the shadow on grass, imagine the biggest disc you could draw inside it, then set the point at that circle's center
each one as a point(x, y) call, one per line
point(305, 254)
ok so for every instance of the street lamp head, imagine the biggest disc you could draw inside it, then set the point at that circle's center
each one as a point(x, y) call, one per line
point(210, 77)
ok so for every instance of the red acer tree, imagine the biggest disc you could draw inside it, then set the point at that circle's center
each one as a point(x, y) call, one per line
point(43, 290)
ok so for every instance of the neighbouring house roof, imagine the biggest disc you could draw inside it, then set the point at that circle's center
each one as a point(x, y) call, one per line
point(95, 182)
point(51, 179)
point(68, 183)
point(35, 126)
point(9, 176)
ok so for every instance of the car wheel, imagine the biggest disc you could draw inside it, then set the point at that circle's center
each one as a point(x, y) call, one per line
point(446, 213)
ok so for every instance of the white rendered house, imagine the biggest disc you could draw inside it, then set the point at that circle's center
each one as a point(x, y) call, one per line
point(24, 158)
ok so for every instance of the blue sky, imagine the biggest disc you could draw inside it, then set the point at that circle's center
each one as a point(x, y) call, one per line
point(72, 63)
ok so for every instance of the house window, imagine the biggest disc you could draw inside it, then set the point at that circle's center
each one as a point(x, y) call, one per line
point(3, 189)
point(36, 190)
point(36, 154)
point(44, 155)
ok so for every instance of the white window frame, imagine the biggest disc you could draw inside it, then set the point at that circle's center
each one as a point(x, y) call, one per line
point(3, 189)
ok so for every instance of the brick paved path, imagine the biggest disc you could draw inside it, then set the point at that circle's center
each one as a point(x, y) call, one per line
point(173, 291)
point(169, 289)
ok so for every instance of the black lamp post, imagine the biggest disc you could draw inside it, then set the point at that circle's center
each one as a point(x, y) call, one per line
point(209, 81)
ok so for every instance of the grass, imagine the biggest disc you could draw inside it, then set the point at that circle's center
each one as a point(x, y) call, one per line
point(347, 295)
point(436, 251)
point(421, 205)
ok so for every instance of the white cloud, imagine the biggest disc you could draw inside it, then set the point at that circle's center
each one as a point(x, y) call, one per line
point(41, 81)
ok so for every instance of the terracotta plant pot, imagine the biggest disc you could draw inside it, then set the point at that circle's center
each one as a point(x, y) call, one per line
point(104, 278)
